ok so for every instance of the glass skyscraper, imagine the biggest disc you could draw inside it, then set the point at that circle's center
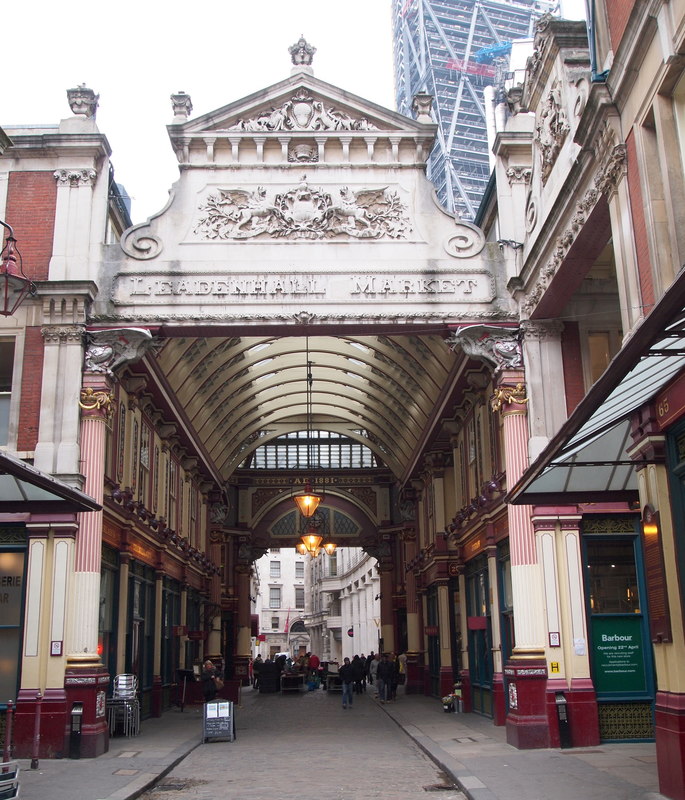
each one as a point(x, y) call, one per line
point(453, 49)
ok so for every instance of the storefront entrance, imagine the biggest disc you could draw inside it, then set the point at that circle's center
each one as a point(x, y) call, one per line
point(620, 647)
point(480, 635)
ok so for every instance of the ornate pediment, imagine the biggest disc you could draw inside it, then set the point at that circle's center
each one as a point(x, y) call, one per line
point(299, 104)
point(303, 112)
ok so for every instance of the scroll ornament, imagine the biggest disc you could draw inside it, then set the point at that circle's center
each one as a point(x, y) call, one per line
point(504, 395)
point(97, 400)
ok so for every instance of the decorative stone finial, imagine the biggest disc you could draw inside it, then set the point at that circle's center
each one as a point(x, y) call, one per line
point(83, 101)
point(181, 105)
point(421, 106)
point(302, 55)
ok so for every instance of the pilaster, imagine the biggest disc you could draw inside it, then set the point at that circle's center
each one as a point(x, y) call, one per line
point(73, 216)
point(544, 380)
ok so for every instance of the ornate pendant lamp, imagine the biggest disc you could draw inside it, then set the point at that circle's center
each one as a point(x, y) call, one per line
point(308, 501)
point(14, 285)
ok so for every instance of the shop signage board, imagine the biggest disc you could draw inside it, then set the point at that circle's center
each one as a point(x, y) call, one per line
point(618, 655)
point(218, 721)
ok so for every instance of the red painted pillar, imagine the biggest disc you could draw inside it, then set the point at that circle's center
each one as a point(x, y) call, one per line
point(526, 671)
point(86, 680)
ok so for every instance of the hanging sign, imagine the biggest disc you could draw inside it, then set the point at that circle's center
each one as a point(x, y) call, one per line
point(350, 631)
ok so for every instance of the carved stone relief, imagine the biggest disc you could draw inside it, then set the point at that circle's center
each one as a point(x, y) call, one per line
point(304, 212)
point(75, 177)
point(303, 113)
point(518, 174)
point(83, 101)
point(498, 346)
point(109, 349)
point(551, 130)
point(302, 53)
point(303, 153)
point(563, 245)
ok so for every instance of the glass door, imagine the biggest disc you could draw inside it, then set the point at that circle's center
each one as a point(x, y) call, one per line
point(480, 635)
point(620, 647)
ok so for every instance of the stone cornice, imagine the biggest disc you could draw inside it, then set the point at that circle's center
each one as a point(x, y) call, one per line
point(552, 37)
point(88, 145)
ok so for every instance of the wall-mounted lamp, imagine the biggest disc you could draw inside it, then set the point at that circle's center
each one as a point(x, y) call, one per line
point(15, 287)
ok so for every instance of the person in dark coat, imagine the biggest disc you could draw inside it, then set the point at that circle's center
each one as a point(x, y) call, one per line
point(209, 673)
point(384, 677)
point(358, 669)
point(256, 669)
point(346, 675)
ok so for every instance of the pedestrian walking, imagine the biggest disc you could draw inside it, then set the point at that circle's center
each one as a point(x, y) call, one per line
point(384, 677)
point(346, 675)
point(256, 669)
point(358, 667)
point(373, 670)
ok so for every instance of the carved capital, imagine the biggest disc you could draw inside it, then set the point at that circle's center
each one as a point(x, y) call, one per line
point(508, 396)
point(97, 402)
point(60, 334)
point(75, 177)
point(547, 330)
point(519, 175)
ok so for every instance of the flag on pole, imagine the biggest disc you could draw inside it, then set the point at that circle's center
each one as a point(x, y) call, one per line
point(287, 621)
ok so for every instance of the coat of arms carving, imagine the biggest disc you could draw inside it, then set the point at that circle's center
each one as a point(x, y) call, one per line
point(304, 113)
point(303, 212)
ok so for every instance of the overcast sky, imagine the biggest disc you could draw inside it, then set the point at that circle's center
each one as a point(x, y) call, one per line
point(136, 54)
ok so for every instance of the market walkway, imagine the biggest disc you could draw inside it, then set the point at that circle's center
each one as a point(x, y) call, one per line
point(294, 746)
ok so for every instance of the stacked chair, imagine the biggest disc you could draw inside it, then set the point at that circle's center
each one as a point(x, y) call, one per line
point(123, 708)
point(9, 779)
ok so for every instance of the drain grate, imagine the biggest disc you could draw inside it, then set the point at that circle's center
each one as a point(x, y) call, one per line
point(172, 786)
point(439, 787)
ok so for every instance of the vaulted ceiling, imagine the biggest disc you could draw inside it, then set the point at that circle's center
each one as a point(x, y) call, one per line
point(237, 393)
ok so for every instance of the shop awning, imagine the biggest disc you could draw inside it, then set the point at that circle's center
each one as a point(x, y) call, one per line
point(587, 460)
point(25, 489)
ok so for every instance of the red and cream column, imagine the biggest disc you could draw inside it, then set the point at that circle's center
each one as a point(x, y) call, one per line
point(526, 670)
point(86, 679)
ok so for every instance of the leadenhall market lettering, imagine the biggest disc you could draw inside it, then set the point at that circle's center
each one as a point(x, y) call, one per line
point(469, 287)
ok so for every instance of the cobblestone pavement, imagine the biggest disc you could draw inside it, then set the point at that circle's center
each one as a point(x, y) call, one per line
point(300, 746)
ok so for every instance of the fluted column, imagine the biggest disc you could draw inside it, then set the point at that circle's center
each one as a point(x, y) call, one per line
point(510, 401)
point(96, 402)
point(526, 670)
point(86, 680)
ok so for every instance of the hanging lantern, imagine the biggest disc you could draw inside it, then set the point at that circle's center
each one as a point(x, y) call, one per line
point(307, 501)
point(312, 540)
point(329, 547)
point(14, 285)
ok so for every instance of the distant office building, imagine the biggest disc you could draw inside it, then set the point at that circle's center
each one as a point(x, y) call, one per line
point(452, 49)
